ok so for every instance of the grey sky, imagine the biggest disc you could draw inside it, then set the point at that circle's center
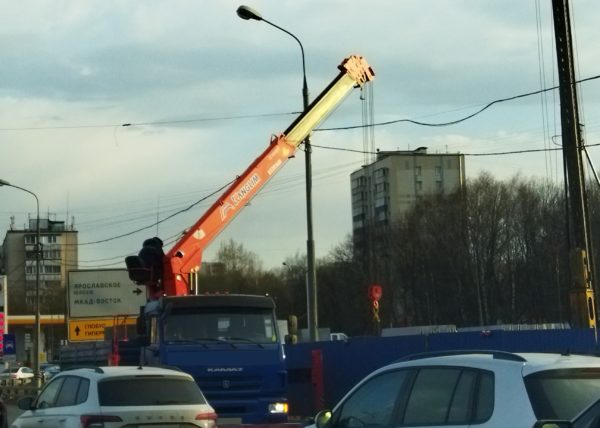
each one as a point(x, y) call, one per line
point(72, 71)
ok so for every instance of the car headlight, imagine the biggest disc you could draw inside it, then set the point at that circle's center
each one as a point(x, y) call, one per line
point(278, 407)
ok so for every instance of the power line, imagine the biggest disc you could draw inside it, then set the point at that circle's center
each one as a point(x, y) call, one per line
point(159, 221)
point(341, 128)
point(150, 123)
point(512, 152)
point(452, 122)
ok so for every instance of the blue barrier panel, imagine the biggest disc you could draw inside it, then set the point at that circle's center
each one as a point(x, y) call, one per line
point(347, 362)
point(344, 364)
point(564, 340)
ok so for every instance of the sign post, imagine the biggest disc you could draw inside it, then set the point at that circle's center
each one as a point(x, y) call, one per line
point(3, 311)
point(375, 293)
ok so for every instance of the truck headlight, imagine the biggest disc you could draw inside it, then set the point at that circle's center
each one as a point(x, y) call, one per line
point(278, 407)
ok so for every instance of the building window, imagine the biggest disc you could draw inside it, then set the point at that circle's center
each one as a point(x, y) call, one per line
point(381, 173)
point(51, 269)
point(438, 171)
point(417, 170)
point(381, 187)
point(52, 239)
point(419, 186)
point(30, 239)
point(52, 255)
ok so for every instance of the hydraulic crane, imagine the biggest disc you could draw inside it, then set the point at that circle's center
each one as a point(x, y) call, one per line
point(168, 274)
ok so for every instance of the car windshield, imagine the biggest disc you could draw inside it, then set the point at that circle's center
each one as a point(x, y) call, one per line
point(562, 394)
point(149, 391)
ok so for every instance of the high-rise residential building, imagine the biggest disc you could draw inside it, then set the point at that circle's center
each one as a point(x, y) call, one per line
point(59, 255)
point(384, 190)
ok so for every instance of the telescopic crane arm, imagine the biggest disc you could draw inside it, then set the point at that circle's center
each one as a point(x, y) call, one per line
point(168, 274)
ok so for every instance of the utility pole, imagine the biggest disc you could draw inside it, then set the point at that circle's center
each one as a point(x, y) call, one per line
point(581, 288)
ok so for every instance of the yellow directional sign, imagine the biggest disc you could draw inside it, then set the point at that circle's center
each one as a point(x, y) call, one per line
point(92, 329)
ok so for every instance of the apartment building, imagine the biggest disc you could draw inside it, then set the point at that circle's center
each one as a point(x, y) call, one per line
point(385, 189)
point(18, 262)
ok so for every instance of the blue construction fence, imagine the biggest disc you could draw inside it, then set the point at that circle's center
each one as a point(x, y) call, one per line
point(344, 362)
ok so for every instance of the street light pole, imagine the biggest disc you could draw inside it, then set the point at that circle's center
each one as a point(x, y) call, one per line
point(248, 13)
point(38, 249)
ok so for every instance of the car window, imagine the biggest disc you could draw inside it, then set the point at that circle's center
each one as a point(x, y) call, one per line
point(449, 395)
point(69, 392)
point(562, 394)
point(373, 403)
point(47, 397)
point(484, 405)
point(149, 390)
point(82, 392)
point(460, 409)
point(430, 396)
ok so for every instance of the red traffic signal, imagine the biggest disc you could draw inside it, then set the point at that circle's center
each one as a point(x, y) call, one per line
point(375, 292)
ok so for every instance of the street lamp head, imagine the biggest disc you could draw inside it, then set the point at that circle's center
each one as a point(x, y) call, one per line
point(247, 13)
point(4, 183)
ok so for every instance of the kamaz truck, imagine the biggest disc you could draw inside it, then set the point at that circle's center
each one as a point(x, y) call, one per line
point(230, 345)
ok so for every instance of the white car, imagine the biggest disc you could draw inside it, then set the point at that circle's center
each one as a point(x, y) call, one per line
point(484, 389)
point(114, 397)
point(49, 371)
point(17, 373)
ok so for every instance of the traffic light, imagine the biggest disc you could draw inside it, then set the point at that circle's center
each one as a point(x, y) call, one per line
point(147, 267)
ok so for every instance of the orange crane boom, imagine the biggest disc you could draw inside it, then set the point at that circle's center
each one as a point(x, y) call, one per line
point(185, 257)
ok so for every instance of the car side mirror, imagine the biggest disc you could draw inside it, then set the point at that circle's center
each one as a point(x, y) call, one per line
point(25, 403)
point(325, 415)
point(553, 424)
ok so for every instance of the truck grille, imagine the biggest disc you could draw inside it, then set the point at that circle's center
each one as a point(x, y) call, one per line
point(210, 385)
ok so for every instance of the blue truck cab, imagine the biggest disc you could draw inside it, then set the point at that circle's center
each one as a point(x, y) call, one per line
point(230, 344)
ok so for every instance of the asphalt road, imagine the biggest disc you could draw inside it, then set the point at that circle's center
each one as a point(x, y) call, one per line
point(13, 410)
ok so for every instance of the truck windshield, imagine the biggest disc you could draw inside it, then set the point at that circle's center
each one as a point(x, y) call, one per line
point(243, 325)
point(562, 394)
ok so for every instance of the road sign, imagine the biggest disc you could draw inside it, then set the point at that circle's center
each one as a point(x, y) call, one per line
point(81, 330)
point(10, 344)
point(103, 293)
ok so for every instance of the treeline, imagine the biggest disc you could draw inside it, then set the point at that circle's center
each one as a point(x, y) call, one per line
point(496, 253)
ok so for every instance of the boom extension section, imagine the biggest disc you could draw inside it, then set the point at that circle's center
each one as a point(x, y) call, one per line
point(170, 276)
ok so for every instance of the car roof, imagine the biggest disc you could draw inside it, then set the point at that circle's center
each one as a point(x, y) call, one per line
point(123, 371)
point(526, 362)
point(537, 362)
